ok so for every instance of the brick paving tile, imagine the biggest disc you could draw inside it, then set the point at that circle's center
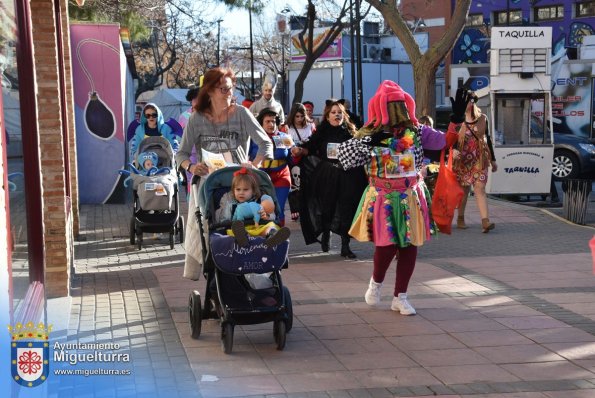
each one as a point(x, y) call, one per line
point(512, 318)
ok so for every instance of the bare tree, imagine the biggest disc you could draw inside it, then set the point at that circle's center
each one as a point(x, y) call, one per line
point(169, 37)
point(182, 47)
point(424, 65)
point(312, 50)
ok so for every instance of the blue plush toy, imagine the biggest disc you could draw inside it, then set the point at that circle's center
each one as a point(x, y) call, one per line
point(250, 210)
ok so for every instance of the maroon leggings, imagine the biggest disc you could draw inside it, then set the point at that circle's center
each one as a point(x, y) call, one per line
point(383, 256)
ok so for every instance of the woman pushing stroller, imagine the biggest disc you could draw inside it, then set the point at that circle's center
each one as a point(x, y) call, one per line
point(220, 126)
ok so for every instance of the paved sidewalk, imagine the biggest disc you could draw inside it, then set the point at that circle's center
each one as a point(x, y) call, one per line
point(504, 314)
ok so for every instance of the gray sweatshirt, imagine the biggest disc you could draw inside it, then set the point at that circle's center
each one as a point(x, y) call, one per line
point(232, 136)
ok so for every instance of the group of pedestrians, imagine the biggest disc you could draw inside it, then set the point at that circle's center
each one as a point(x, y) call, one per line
point(364, 183)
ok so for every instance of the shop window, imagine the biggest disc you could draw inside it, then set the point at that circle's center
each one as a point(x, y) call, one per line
point(585, 9)
point(549, 13)
point(475, 20)
point(9, 87)
point(515, 17)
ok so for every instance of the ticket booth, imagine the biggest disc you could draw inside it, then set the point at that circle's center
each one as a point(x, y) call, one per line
point(521, 110)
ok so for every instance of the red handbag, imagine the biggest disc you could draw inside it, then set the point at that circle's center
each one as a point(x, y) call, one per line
point(447, 196)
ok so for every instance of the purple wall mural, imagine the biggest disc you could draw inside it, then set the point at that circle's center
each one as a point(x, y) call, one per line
point(473, 43)
point(98, 72)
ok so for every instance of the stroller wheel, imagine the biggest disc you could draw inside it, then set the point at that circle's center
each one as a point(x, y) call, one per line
point(289, 306)
point(181, 229)
point(171, 239)
point(139, 241)
point(195, 314)
point(132, 232)
point(279, 332)
point(226, 337)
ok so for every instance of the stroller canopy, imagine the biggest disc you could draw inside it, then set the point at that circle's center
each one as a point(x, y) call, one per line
point(163, 149)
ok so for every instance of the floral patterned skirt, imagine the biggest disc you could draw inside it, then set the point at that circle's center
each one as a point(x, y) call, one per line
point(469, 167)
point(394, 212)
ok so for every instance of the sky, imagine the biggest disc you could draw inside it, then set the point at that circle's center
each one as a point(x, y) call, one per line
point(235, 23)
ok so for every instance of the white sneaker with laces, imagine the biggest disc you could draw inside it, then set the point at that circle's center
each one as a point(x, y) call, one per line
point(373, 293)
point(402, 305)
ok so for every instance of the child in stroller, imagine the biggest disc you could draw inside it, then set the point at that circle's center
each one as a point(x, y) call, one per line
point(244, 200)
point(148, 160)
point(243, 283)
point(155, 192)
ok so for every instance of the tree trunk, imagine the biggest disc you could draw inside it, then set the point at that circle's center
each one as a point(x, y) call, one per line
point(424, 65)
point(425, 88)
point(299, 82)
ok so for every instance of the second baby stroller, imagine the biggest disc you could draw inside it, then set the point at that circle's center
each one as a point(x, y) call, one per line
point(155, 194)
point(243, 284)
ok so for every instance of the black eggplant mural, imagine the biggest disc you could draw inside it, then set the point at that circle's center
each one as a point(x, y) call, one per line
point(99, 118)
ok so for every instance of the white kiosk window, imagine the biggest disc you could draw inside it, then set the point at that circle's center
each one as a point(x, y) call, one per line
point(520, 119)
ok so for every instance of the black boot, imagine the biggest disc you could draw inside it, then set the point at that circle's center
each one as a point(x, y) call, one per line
point(325, 241)
point(345, 250)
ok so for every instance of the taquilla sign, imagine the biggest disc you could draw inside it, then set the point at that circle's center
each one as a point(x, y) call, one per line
point(521, 37)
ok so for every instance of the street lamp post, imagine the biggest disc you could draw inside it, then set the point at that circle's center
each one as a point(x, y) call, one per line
point(358, 39)
point(251, 53)
point(352, 56)
point(282, 29)
point(283, 102)
point(218, 40)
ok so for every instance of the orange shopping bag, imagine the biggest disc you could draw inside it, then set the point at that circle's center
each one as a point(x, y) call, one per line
point(447, 196)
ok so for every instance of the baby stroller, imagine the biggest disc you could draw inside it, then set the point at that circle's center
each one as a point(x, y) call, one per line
point(155, 197)
point(243, 284)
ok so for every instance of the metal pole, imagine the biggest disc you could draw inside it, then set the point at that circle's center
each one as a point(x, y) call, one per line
point(251, 54)
point(507, 12)
point(360, 99)
point(218, 40)
point(283, 103)
point(352, 66)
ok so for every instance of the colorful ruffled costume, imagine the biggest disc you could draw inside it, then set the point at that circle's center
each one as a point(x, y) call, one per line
point(395, 207)
point(394, 211)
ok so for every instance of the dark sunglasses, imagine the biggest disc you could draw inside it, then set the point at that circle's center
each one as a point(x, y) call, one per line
point(151, 115)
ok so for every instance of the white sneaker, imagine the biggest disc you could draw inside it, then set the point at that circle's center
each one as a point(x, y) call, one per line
point(402, 305)
point(373, 293)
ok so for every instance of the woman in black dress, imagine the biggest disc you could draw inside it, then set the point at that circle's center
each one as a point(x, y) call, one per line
point(330, 194)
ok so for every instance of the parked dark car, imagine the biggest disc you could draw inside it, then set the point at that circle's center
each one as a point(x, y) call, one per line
point(574, 157)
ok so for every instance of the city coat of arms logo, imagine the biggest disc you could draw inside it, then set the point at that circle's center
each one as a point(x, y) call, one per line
point(30, 353)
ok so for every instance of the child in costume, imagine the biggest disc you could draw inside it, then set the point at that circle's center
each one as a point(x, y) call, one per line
point(147, 166)
point(278, 167)
point(147, 161)
point(394, 210)
point(245, 201)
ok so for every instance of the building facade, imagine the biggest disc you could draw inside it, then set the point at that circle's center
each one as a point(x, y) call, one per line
point(570, 22)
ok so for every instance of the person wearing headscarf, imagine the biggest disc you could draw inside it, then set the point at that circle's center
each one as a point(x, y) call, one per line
point(152, 124)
